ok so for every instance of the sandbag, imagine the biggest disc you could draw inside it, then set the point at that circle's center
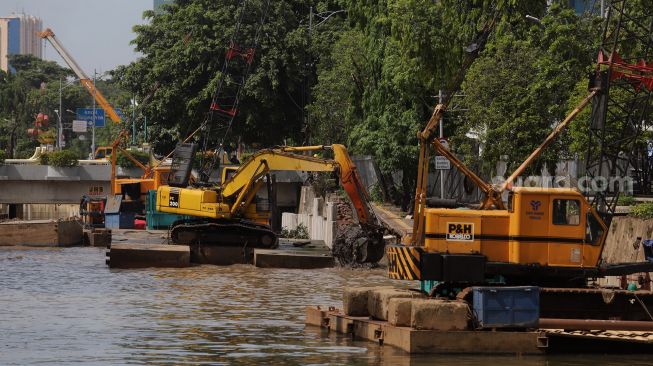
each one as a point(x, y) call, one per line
point(354, 301)
point(377, 301)
point(439, 315)
point(399, 311)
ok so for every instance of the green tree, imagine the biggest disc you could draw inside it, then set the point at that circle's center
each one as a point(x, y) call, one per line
point(184, 49)
point(34, 88)
point(408, 49)
point(525, 83)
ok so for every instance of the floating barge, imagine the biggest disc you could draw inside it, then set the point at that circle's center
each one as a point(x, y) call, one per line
point(499, 320)
point(427, 341)
point(533, 342)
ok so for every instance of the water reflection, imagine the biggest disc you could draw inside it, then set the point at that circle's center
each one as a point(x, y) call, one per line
point(64, 306)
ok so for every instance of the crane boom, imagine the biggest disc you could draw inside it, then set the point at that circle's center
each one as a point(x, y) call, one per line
point(83, 78)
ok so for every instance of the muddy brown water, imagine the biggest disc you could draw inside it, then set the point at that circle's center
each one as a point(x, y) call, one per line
point(64, 306)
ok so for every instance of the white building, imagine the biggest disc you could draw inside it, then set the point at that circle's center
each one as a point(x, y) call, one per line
point(19, 35)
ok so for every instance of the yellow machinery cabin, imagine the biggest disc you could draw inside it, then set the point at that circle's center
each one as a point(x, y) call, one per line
point(550, 228)
point(547, 227)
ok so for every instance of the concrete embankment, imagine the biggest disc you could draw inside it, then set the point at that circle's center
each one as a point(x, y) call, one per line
point(624, 244)
point(44, 233)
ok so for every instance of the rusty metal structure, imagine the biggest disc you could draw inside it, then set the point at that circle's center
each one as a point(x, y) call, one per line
point(621, 112)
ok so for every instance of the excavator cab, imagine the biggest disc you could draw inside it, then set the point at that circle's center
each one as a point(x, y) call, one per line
point(103, 153)
point(542, 230)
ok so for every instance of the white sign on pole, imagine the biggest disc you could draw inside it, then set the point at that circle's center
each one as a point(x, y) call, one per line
point(80, 126)
point(444, 142)
point(442, 163)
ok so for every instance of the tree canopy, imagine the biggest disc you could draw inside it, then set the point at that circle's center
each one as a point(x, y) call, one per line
point(367, 74)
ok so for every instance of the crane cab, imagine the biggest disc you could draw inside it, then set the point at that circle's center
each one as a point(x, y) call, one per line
point(543, 229)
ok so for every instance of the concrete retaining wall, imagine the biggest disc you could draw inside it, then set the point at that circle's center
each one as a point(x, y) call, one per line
point(43, 211)
point(623, 244)
point(316, 215)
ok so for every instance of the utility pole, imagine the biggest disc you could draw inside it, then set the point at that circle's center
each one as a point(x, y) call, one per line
point(308, 74)
point(602, 9)
point(134, 120)
point(441, 136)
point(93, 122)
point(59, 125)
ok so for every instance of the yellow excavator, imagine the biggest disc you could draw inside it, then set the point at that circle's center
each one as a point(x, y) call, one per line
point(226, 214)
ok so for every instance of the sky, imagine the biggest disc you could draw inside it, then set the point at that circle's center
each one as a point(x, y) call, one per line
point(96, 33)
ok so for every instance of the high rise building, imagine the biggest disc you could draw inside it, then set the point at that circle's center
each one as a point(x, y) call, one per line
point(19, 35)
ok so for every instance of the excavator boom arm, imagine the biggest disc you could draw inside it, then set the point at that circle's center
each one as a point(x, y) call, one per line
point(288, 159)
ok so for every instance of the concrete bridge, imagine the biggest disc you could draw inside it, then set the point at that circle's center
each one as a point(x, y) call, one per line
point(33, 184)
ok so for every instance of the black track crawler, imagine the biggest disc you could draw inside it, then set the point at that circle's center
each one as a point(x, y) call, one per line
point(223, 233)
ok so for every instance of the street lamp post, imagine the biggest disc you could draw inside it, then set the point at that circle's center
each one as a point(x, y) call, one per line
point(323, 16)
point(59, 113)
point(93, 121)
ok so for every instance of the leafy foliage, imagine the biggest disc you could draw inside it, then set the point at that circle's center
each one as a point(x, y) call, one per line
point(526, 82)
point(63, 158)
point(35, 88)
point(300, 232)
point(2, 157)
point(183, 53)
point(124, 162)
point(374, 70)
point(642, 211)
point(624, 200)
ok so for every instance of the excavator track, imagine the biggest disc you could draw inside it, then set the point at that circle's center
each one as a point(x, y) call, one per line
point(232, 233)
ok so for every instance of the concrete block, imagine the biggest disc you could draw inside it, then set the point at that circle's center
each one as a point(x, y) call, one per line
point(354, 300)
point(306, 200)
point(377, 302)
point(41, 233)
point(399, 311)
point(331, 211)
point(128, 255)
point(330, 233)
point(316, 230)
point(439, 315)
point(288, 221)
point(270, 258)
point(221, 255)
point(99, 238)
point(318, 203)
point(305, 220)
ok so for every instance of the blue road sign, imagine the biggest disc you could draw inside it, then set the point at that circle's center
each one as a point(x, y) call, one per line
point(119, 113)
point(86, 114)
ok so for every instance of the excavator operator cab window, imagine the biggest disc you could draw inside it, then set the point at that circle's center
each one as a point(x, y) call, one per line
point(228, 173)
point(566, 212)
point(593, 231)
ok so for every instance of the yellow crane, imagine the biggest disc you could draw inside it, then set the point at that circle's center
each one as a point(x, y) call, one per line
point(538, 236)
point(83, 78)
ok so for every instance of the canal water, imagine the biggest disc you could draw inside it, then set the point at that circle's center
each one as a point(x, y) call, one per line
point(64, 306)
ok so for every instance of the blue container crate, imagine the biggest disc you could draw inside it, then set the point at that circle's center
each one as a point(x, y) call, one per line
point(119, 220)
point(507, 307)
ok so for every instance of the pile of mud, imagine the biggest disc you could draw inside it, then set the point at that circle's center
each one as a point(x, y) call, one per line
point(355, 246)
